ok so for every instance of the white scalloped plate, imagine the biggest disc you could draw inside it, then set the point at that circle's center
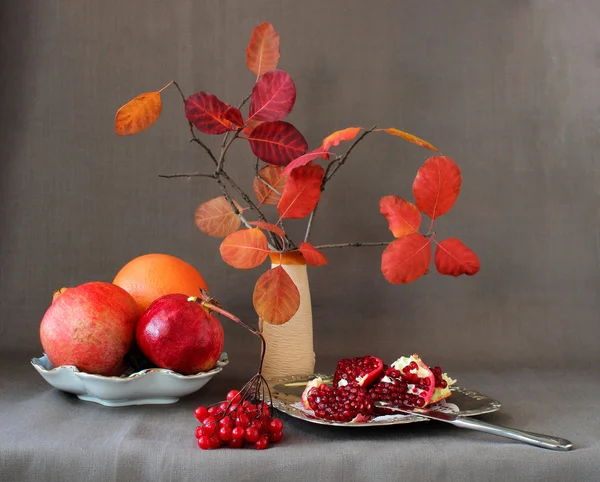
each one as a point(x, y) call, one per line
point(287, 392)
point(150, 386)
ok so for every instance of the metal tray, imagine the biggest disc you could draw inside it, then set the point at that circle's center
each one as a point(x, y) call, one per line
point(287, 394)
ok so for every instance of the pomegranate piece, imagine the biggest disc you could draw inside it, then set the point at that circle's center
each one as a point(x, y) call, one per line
point(442, 385)
point(408, 382)
point(363, 371)
point(349, 403)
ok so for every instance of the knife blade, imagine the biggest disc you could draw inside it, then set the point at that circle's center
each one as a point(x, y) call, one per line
point(537, 439)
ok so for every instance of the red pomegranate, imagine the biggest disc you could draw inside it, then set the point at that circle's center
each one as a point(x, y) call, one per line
point(180, 335)
point(91, 326)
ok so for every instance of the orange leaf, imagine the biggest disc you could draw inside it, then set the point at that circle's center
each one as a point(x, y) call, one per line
point(269, 227)
point(336, 137)
point(250, 125)
point(406, 259)
point(276, 298)
point(452, 257)
point(437, 186)
point(216, 217)
point(262, 53)
point(312, 255)
point(410, 138)
point(245, 249)
point(302, 191)
point(403, 216)
point(138, 114)
point(275, 177)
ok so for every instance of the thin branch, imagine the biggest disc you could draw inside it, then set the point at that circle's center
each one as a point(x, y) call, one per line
point(310, 221)
point(231, 203)
point(224, 151)
point(191, 126)
point(259, 177)
point(341, 162)
point(252, 205)
point(352, 245)
point(332, 168)
point(244, 100)
point(188, 175)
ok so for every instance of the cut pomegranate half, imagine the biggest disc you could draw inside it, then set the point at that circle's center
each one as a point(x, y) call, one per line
point(348, 403)
point(408, 382)
point(363, 371)
point(316, 382)
point(442, 385)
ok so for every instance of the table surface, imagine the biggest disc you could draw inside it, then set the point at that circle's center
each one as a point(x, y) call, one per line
point(52, 436)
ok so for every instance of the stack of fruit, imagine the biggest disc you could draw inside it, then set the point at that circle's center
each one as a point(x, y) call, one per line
point(95, 326)
point(360, 382)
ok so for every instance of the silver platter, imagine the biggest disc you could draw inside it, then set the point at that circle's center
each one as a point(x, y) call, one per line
point(287, 394)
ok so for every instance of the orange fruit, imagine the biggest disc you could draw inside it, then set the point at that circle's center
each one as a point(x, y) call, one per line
point(151, 276)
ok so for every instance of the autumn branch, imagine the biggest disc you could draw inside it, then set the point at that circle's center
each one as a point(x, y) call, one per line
point(352, 245)
point(188, 175)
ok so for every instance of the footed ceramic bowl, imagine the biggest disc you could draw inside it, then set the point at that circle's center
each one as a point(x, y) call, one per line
point(150, 386)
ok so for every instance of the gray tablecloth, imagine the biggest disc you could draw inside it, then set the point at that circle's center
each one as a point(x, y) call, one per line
point(51, 436)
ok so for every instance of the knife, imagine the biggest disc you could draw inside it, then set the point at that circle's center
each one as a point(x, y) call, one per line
point(538, 439)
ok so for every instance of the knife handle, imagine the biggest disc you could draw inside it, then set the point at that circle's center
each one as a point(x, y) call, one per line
point(544, 441)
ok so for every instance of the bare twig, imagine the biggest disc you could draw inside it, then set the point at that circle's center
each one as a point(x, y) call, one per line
point(253, 206)
point(341, 162)
point(224, 150)
point(188, 175)
point(352, 245)
point(231, 203)
point(244, 100)
point(332, 168)
point(258, 176)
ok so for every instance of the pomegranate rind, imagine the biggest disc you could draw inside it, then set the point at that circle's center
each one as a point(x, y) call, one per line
point(316, 382)
point(343, 375)
point(439, 393)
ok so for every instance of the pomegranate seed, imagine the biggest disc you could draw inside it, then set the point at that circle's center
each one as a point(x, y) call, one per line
point(201, 413)
point(262, 443)
point(204, 443)
point(251, 434)
point(443, 383)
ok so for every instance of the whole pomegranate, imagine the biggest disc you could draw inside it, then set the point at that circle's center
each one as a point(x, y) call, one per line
point(91, 326)
point(180, 335)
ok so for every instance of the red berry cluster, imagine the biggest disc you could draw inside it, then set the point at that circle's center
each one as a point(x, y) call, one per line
point(235, 422)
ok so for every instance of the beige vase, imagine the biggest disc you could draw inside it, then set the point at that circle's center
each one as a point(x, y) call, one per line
point(290, 349)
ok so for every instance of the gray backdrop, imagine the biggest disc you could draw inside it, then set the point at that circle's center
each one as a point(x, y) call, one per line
point(509, 89)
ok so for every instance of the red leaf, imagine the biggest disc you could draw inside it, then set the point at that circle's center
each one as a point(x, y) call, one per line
point(273, 96)
point(306, 158)
point(302, 191)
point(275, 177)
point(276, 298)
point(410, 138)
point(216, 217)
point(211, 115)
point(138, 114)
point(436, 186)
point(269, 227)
point(406, 259)
point(245, 249)
point(452, 257)
point(403, 217)
point(312, 255)
point(277, 143)
point(262, 53)
point(336, 137)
